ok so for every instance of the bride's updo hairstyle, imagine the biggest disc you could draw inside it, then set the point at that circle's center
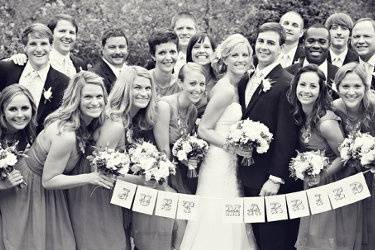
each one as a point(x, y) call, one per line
point(225, 48)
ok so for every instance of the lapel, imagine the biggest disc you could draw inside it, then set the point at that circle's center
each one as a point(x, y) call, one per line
point(299, 55)
point(107, 71)
point(49, 83)
point(241, 91)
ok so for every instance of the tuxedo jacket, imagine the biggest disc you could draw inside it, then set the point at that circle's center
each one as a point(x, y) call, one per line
point(78, 63)
point(351, 56)
point(299, 55)
point(10, 73)
point(102, 69)
point(273, 110)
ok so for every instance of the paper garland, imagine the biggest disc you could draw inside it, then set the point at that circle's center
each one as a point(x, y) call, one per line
point(243, 209)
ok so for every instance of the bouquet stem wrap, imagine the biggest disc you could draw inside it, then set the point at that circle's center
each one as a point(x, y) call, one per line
point(192, 166)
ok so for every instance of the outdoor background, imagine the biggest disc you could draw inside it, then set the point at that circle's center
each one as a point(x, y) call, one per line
point(140, 17)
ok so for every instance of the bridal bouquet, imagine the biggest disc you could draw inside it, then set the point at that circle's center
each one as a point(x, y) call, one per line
point(307, 166)
point(247, 135)
point(191, 151)
point(148, 161)
point(8, 158)
point(358, 149)
point(109, 162)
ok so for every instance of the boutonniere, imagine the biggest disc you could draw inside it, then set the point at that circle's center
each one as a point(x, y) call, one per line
point(298, 60)
point(47, 94)
point(267, 84)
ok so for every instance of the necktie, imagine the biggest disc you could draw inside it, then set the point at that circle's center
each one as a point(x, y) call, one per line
point(68, 67)
point(285, 61)
point(337, 62)
point(31, 81)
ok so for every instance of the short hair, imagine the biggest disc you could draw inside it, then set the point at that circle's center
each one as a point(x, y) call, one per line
point(275, 27)
point(317, 26)
point(341, 19)
point(114, 32)
point(53, 22)
point(198, 38)
point(188, 67)
point(372, 21)
point(37, 30)
point(161, 36)
point(296, 13)
point(183, 14)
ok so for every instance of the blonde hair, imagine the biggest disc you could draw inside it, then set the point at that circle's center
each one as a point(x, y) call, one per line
point(120, 100)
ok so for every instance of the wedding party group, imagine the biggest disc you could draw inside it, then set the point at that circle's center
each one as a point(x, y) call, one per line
point(217, 120)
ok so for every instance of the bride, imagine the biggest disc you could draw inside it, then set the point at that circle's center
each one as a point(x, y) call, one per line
point(218, 174)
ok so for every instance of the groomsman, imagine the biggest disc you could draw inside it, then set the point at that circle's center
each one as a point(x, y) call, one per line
point(340, 25)
point(269, 175)
point(363, 41)
point(46, 84)
point(316, 51)
point(292, 51)
point(114, 55)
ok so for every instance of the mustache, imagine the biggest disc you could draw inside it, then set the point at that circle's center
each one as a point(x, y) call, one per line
point(118, 55)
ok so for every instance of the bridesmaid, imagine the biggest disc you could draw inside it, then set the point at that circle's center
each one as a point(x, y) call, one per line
point(200, 50)
point(177, 118)
point(320, 130)
point(17, 124)
point(37, 216)
point(356, 107)
point(163, 49)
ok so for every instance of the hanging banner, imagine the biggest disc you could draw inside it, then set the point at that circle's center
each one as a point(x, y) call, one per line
point(276, 207)
point(145, 199)
point(233, 210)
point(298, 206)
point(254, 210)
point(187, 207)
point(166, 205)
point(123, 194)
point(318, 199)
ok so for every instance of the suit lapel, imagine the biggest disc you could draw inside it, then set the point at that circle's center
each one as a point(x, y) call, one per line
point(254, 99)
point(241, 91)
point(49, 83)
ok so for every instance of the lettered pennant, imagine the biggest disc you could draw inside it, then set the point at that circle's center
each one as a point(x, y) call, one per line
point(232, 210)
point(276, 207)
point(187, 207)
point(318, 199)
point(166, 204)
point(144, 201)
point(298, 205)
point(123, 194)
point(254, 210)
point(358, 187)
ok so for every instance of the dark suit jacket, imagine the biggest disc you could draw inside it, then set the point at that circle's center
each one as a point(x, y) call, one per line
point(273, 110)
point(299, 55)
point(102, 69)
point(351, 56)
point(78, 63)
point(10, 73)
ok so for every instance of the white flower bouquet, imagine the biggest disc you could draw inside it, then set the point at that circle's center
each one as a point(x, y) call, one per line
point(148, 161)
point(8, 158)
point(190, 151)
point(307, 166)
point(247, 135)
point(109, 161)
point(358, 149)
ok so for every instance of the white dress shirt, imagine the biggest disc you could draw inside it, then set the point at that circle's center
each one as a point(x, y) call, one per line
point(338, 60)
point(34, 81)
point(369, 66)
point(62, 63)
point(286, 58)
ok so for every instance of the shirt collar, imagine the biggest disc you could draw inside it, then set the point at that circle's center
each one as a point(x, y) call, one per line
point(265, 71)
point(323, 66)
point(341, 55)
point(42, 72)
point(114, 69)
point(291, 52)
point(58, 56)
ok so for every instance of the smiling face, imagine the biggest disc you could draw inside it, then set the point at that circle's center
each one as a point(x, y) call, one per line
point(352, 90)
point(238, 61)
point(64, 36)
point(165, 56)
point(293, 26)
point(185, 29)
point(194, 85)
point(37, 51)
point(92, 101)
point(18, 112)
point(316, 45)
point(267, 47)
point(201, 52)
point(339, 36)
point(363, 39)
point(308, 88)
point(141, 92)
point(115, 50)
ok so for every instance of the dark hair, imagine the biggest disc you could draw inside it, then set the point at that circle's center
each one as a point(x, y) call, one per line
point(322, 103)
point(183, 14)
point(116, 32)
point(275, 27)
point(6, 96)
point(341, 19)
point(161, 36)
point(38, 30)
point(317, 26)
point(53, 22)
point(198, 38)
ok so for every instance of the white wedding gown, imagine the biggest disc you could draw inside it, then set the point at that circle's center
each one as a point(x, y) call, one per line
point(218, 180)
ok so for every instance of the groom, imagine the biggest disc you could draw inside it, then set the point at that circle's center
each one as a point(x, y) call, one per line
point(267, 104)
